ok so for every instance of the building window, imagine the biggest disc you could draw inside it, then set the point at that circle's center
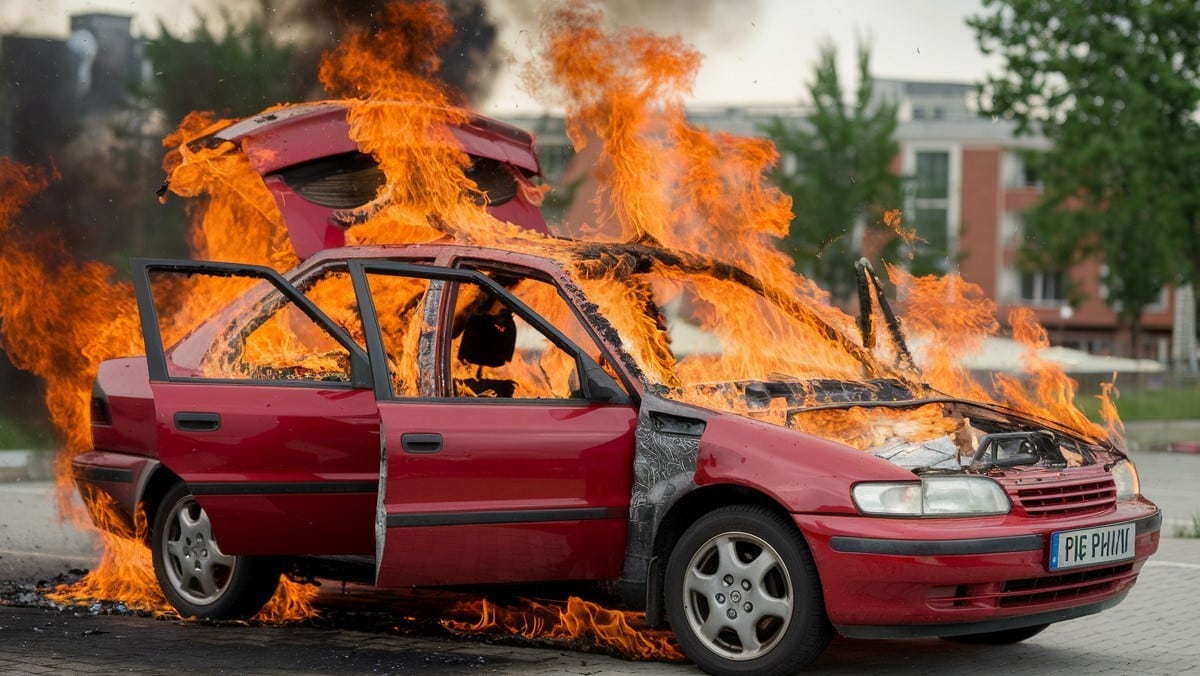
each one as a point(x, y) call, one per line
point(1019, 172)
point(1031, 177)
point(933, 175)
point(931, 227)
point(1160, 304)
point(1012, 230)
point(931, 211)
point(554, 156)
point(1043, 287)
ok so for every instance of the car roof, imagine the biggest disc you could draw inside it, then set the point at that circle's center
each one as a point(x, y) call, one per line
point(590, 259)
point(546, 262)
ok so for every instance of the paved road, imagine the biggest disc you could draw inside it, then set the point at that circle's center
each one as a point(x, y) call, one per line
point(34, 543)
point(1155, 631)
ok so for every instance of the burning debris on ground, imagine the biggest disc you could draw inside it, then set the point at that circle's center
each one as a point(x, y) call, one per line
point(684, 244)
point(569, 622)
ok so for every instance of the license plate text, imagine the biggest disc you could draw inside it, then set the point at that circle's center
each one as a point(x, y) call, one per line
point(1091, 546)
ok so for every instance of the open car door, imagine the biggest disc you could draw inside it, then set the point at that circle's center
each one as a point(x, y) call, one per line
point(264, 408)
point(507, 449)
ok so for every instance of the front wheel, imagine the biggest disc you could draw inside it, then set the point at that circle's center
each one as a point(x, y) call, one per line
point(198, 579)
point(743, 595)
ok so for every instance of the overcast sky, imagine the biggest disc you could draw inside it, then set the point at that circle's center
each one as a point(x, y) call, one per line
point(755, 51)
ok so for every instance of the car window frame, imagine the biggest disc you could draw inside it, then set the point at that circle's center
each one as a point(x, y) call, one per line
point(359, 268)
point(156, 359)
point(623, 380)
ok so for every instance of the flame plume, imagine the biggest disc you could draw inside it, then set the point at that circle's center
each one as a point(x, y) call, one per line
point(1050, 393)
point(59, 318)
point(952, 314)
point(237, 219)
point(664, 180)
point(614, 630)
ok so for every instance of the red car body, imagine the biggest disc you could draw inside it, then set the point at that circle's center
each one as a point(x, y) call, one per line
point(527, 490)
point(403, 457)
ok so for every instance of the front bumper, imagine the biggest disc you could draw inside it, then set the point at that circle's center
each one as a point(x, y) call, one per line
point(906, 578)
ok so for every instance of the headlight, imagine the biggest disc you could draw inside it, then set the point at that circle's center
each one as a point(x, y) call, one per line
point(933, 496)
point(1125, 475)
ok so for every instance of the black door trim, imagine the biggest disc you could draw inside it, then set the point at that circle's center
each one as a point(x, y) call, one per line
point(507, 516)
point(281, 487)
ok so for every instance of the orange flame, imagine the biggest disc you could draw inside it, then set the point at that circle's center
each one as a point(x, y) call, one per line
point(865, 428)
point(953, 316)
point(124, 572)
point(238, 220)
point(59, 318)
point(615, 630)
point(1050, 393)
point(1108, 411)
point(662, 180)
point(893, 222)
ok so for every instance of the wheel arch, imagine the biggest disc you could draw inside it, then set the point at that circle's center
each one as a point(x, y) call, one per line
point(160, 482)
point(683, 513)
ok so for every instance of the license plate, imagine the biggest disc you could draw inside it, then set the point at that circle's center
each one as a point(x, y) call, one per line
point(1091, 546)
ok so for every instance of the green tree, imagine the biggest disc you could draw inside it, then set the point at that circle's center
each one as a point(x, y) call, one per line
point(837, 170)
point(233, 72)
point(237, 68)
point(1114, 85)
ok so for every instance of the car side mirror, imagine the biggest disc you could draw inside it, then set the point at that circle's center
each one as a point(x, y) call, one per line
point(360, 372)
point(599, 386)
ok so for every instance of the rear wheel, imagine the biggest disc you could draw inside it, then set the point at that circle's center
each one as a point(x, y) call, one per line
point(743, 596)
point(198, 579)
point(1003, 637)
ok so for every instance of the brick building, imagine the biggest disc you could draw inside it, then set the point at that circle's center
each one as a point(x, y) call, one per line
point(971, 186)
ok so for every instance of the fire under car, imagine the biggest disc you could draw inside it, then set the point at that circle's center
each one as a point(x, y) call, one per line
point(449, 415)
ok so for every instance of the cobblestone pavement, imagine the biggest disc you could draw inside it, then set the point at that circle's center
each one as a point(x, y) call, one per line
point(1153, 632)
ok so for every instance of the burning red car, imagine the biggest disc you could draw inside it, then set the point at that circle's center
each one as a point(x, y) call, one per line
point(453, 415)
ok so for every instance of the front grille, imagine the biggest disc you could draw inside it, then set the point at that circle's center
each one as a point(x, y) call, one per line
point(1082, 586)
point(1077, 491)
point(1064, 587)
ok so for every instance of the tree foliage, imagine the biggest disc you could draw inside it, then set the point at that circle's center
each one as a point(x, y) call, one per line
point(841, 181)
point(234, 71)
point(1114, 85)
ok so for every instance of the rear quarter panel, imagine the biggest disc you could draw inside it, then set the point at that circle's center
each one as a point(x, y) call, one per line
point(126, 386)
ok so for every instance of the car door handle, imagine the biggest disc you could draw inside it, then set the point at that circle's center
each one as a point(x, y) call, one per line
point(186, 421)
point(421, 443)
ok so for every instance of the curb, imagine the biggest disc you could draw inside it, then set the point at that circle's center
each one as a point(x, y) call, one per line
point(26, 465)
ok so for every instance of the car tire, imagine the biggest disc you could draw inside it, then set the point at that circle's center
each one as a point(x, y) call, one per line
point(743, 595)
point(1003, 637)
point(198, 579)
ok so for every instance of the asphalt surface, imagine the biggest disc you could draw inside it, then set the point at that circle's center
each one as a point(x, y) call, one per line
point(1155, 631)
